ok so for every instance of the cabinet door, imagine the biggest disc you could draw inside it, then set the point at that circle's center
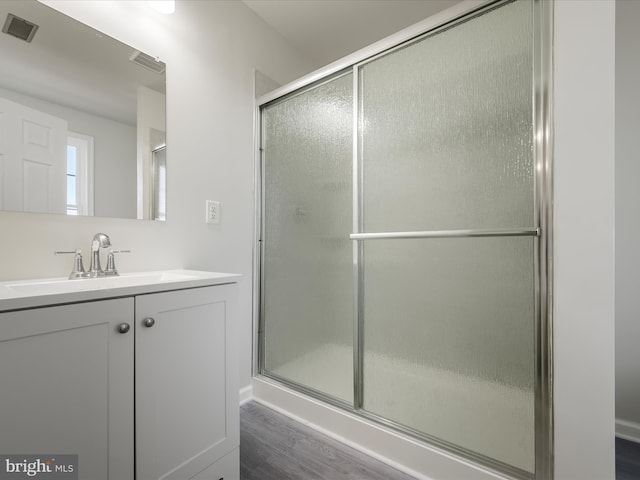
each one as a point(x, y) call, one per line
point(67, 385)
point(227, 468)
point(186, 381)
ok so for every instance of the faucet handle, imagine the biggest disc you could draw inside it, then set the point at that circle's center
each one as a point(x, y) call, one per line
point(111, 262)
point(78, 268)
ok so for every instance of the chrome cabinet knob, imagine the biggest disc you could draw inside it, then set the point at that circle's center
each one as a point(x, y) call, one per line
point(123, 327)
point(148, 322)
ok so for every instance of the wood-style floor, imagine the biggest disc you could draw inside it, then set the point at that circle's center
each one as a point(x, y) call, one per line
point(627, 460)
point(275, 447)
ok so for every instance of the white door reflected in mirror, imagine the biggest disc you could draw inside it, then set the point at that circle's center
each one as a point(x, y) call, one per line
point(33, 152)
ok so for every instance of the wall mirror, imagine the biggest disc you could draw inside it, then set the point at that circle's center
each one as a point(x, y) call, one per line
point(82, 119)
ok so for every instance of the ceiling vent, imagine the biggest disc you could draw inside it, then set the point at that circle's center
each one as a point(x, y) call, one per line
point(148, 62)
point(19, 28)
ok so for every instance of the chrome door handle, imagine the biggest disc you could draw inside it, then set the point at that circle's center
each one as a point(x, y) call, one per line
point(123, 327)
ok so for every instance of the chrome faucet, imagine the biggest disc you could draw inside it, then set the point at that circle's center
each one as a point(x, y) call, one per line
point(100, 240)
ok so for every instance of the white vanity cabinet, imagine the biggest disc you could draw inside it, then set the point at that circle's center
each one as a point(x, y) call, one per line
point(143, 386)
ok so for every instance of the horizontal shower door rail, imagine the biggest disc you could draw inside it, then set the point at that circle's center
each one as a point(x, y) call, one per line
point(499, 232)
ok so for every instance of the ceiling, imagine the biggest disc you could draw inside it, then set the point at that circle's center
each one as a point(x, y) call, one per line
point(327, 30)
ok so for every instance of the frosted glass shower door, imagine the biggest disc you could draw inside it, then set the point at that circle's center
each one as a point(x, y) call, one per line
point(448, 324)
point(307, 271)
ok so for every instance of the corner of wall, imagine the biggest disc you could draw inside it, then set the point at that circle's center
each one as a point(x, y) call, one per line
point(584, 262)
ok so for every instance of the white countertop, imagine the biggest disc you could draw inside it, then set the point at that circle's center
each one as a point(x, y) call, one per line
point(21, 294)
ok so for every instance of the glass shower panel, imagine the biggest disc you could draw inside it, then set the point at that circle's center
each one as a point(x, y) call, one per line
point(449, 341)
point(446, 128)
point(446, 143)
point(307, 283)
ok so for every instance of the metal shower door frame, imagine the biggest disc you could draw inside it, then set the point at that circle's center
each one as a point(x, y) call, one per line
point(542, 99)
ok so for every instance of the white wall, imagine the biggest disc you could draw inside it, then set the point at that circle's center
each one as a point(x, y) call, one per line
point(627, 219)
point(264, 84)
point(211, 50)
point(584, 239)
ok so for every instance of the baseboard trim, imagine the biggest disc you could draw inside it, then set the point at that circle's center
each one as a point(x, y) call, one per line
point(246, 394)
point(628, 430)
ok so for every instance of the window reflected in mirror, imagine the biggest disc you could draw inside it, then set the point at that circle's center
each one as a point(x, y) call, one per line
point(79, 174)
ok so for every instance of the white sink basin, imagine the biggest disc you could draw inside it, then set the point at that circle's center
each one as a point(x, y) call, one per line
point(61, 285)
point(24, 293)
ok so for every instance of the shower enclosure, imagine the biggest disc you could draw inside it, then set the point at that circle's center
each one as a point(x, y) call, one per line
point(403, 239)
